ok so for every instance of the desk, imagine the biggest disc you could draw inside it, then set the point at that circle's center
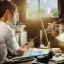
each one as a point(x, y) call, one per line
point(54, 59)
point(45, 51)
point(29, 62)
point(36, 52)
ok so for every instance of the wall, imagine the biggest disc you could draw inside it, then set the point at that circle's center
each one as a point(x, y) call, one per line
point(61, 8)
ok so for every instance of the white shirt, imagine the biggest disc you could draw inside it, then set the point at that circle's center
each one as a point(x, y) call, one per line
point(7, 38)
point(7, 41)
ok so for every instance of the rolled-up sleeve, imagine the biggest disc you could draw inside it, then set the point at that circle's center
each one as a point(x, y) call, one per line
point(11, 42)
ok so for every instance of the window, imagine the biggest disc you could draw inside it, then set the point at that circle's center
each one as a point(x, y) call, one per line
point(42, 8)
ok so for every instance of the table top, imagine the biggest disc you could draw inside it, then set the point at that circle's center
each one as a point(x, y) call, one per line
point(45, 51)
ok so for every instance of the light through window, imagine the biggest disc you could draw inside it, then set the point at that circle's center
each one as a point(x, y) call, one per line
point(42, 8)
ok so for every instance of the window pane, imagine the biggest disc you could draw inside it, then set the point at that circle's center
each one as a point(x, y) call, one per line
point(49, 8)
point(32, 9)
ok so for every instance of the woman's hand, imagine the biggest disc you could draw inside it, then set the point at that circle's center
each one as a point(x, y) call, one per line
point(25, 46)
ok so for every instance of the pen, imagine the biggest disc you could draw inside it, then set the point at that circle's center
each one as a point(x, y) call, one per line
point(34, 38)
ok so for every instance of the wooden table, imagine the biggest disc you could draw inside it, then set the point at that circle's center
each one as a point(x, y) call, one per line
point(29, 62)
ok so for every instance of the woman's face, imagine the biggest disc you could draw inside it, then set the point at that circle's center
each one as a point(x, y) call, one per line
point(10, 15)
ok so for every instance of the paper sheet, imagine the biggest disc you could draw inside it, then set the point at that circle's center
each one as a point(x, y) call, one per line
point(60, 37)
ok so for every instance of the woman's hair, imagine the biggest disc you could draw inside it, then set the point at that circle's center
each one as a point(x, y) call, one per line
point(6, 5)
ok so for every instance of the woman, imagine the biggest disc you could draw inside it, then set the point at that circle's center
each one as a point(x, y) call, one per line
point(7, 37)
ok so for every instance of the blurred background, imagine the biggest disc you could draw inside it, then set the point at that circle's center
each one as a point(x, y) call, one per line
point(28, 20)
